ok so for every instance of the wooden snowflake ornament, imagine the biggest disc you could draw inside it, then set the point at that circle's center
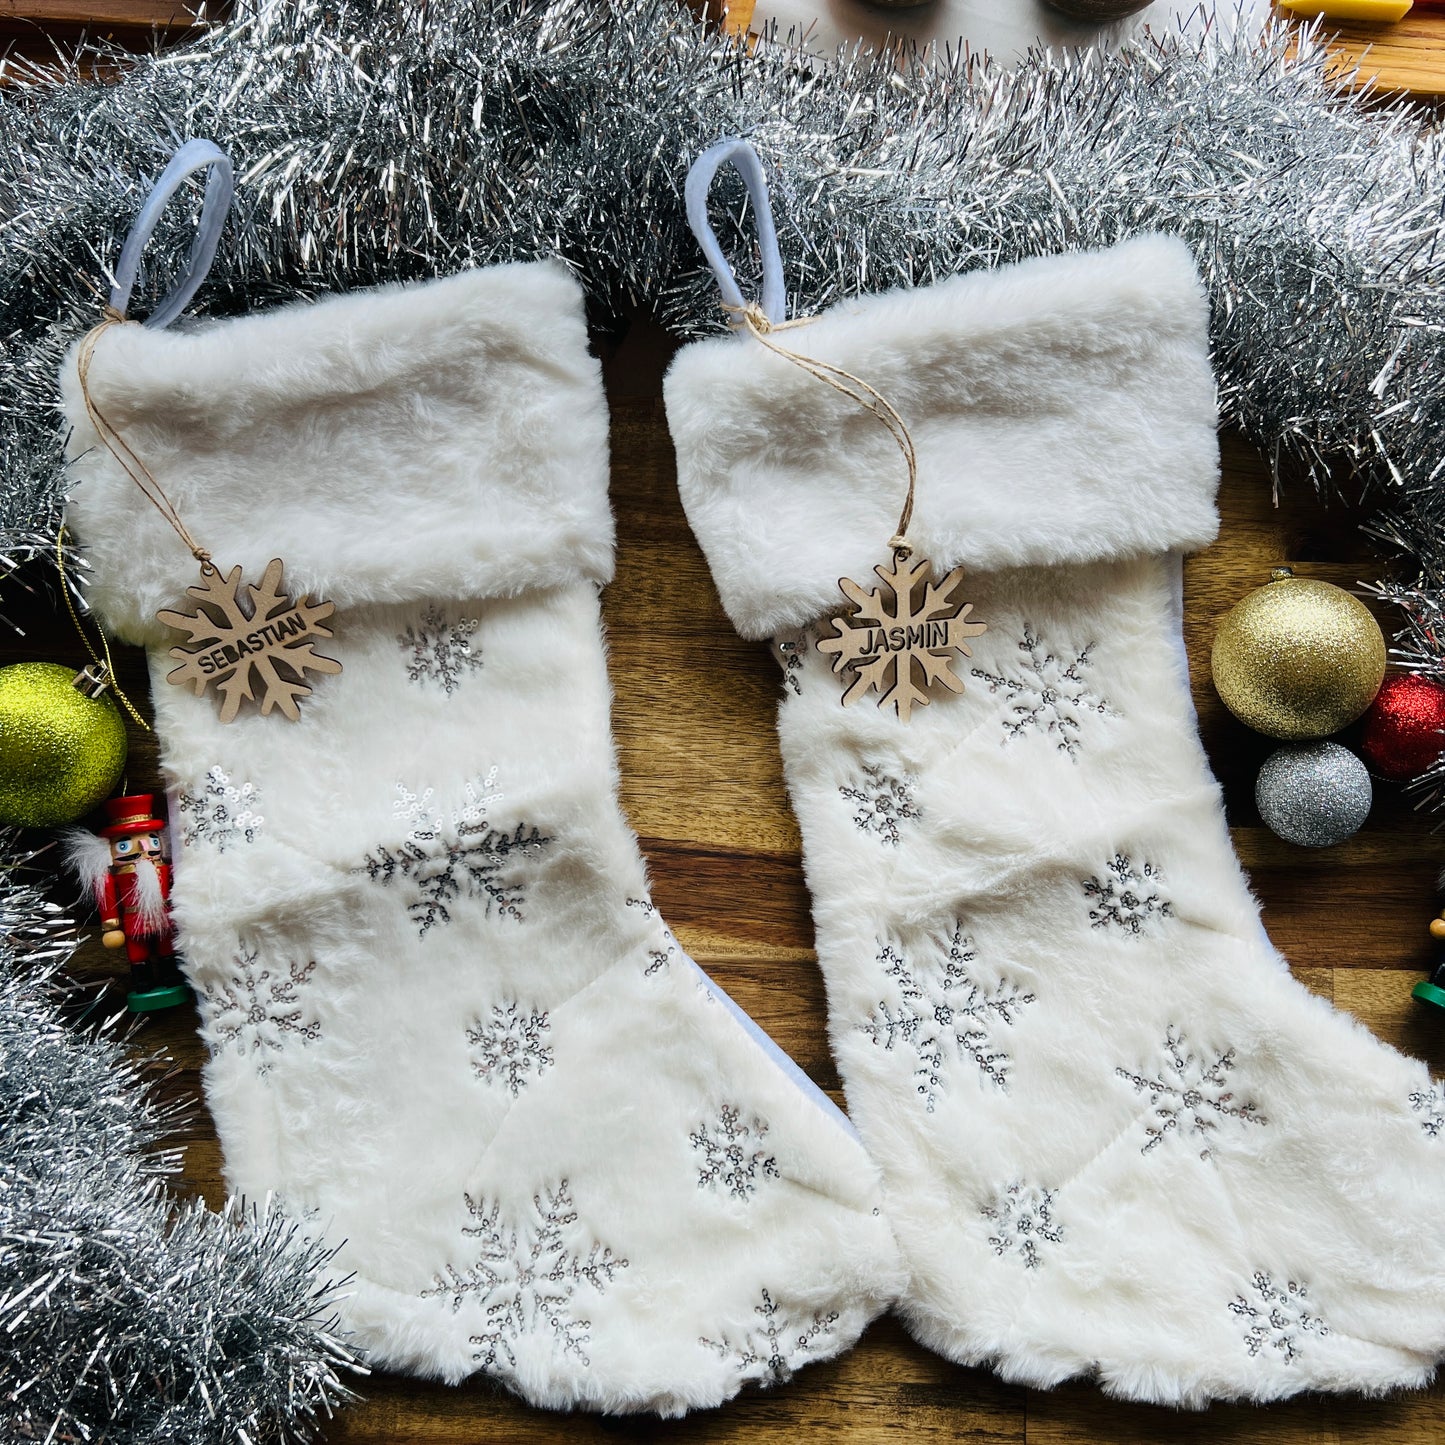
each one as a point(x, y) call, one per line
point(896, 648)
point(265, 638)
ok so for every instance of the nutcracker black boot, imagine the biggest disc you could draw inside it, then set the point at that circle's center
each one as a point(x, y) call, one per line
point(447, 1026)
point(1117, 1137)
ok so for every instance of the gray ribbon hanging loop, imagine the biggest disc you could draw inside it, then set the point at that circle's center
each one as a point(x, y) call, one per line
point(193, 156)
point(744, 159)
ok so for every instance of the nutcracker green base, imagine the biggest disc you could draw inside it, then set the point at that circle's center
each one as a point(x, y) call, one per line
point(152, 1000)
point(1427, 992)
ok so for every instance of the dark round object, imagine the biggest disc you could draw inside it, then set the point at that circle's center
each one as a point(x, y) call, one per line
point(1099, 9)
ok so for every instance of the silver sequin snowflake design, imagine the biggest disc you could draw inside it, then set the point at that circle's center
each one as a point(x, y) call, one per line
point(1189, 1095)
point(1127, 897)
point(939, 1006)
point(221, 814)
point(657, 958)
point(444, 860)
point(527, 1279)
point(1430, 1103)
point(1023, 1219)
point(881, 802)
point(777, 1345)
point(257, 1009)
point(791, 649)
point(732, 1156)
point(511, 1047)
point(1276, 1316)
point(441, 652)
point(1047, 696)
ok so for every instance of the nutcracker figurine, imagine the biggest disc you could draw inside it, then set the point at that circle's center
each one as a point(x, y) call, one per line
point(127, 869)
point(1432, 990)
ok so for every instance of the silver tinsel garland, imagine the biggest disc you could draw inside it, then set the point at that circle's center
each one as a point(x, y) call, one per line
point(384, 139)
point(388, 139)
point(123, 1318)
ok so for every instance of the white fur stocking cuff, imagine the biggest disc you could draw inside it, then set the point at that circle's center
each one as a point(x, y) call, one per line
point(461, 421)
point(1062, 409)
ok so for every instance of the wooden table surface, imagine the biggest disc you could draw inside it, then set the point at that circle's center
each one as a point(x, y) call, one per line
point(703, 788)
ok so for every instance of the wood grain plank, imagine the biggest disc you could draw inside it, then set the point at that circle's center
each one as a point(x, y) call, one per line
point(883, 1393)
point(1075, 1415)
point(1408, 56)
point(98, 14)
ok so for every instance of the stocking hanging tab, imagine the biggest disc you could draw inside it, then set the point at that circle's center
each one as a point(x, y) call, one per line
point(773, 302)
point(195, 155)
point(901, 638)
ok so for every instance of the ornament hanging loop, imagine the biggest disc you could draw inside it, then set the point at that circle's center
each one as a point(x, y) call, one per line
point(99, 676)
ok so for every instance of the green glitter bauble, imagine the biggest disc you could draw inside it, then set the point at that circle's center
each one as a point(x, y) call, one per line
point(1298, 658)
point(61, 753)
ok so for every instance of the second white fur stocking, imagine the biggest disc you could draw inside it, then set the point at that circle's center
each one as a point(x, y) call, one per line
point(1117, 1137)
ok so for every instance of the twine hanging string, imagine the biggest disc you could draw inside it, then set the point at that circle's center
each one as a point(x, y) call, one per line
point(105, 662)
point(752, 318)
point(121, 449)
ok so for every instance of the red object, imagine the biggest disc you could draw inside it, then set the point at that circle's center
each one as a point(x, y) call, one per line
point(133, 814)
point(1404, 730)
point(133, 895)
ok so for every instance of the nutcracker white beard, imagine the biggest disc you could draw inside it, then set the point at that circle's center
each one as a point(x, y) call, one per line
point(150, 898)
point(1117, 1138)
point(447, 1026)
point(89, 859)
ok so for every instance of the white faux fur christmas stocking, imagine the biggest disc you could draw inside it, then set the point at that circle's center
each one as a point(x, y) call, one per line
point(447, 1026)
point(1117, 1137)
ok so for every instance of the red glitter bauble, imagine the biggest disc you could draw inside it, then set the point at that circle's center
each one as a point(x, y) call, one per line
point(1402, 731)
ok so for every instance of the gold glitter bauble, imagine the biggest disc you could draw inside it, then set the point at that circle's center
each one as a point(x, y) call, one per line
point(61, 753)
point(1298, 658)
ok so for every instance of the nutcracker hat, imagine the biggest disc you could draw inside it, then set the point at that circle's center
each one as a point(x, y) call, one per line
point(133, 814)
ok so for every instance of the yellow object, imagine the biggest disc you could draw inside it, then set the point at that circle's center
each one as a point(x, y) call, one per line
point(1383, 11)
point(1298, 658)
point(61, 753)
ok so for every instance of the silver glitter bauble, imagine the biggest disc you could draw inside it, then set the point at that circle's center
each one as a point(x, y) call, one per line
point(1313, 794)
